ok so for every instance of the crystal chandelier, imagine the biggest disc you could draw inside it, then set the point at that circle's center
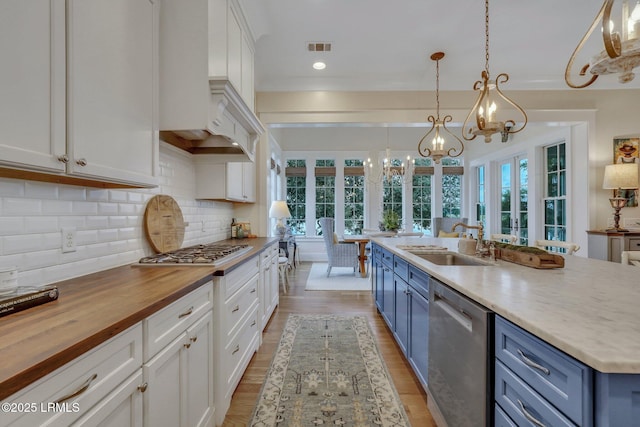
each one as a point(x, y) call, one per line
point(621, 52)
point(485, 110)
point(437, 150)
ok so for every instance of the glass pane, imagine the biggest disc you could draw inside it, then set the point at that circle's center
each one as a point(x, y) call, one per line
point(549, 233)
point(552, 158)
point(561, 216)
point(548, 212)
point(505, 223)
point(552, 185)
point(562, 188)
point(562, 157)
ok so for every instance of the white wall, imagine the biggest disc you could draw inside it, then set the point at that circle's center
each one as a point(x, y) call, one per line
point(108, 222)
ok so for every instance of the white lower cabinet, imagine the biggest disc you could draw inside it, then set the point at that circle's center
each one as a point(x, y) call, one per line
point(269, 285)
point(179, 377)
point(237, 331)
point(97, 385)
point(179, 387)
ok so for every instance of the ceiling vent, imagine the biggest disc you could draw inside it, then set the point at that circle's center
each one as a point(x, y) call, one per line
point(319, 46)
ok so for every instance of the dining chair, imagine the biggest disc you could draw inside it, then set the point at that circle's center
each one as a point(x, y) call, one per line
point(444, 224)
point(283, 269)
point(339, 254)
point(631, 258)
point(506, 238)
point(555, 245)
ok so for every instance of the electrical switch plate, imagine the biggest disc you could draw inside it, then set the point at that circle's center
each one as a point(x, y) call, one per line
point(68, 239)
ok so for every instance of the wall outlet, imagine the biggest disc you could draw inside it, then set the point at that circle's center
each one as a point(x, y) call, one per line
point(68, 239)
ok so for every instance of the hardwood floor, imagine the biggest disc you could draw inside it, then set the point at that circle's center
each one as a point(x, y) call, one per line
point(297, 300)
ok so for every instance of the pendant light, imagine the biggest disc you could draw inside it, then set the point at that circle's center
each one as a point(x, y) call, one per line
point(485, 110)
point(437, 150)
point(621, 52)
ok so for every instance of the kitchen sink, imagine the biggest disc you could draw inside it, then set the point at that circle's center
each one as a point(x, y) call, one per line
point(451, 258)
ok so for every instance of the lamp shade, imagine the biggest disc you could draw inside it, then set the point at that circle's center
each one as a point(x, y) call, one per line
point(620, 176)
point(279, 209)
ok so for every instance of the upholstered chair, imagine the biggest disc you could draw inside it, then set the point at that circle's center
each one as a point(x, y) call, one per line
point(339, 254)
point(445, 224)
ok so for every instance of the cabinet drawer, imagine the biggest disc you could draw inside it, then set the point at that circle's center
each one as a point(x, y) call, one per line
point(98, 372)
point(238, 352)
point(502, 419)
point(522, 404)
point(237, 277)
point(164, 326)
point(387, 257)
point(236, 308)
point(419, 280)
point(401, 268)
point(634, 244)
point(554, 375)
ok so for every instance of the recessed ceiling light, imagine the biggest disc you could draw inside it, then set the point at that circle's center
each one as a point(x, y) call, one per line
point(319, 65)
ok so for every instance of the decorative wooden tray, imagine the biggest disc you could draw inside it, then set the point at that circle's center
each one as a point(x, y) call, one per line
point(535, 260)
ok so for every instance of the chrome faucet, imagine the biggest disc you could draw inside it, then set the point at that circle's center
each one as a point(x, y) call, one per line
point(479, 227)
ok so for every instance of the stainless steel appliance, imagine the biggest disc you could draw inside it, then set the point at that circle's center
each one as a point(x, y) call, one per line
point(459, 357)
point(212, 254)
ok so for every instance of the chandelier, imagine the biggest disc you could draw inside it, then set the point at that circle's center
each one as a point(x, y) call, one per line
point(485, 110)
point(437, 150)
point(375, 171)
point(621, 52)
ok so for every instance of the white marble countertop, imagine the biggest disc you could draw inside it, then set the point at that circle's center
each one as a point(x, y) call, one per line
point(590, 309)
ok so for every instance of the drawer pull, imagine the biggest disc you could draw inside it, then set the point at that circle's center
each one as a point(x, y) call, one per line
point(237, 349)
point(236, 308)
point(80, 390)
point(194, 338)
point(186, 313)
point(187, 345)
point(253, 291)
point(530, 363)
point(143, 387)
point(253, 323)
point(528, 416)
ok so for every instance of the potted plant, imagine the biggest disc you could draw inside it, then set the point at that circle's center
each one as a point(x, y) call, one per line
point(390, 221)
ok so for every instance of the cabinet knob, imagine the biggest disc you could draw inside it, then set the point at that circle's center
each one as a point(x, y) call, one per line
point(143, 387)
point(63, 158)
point(194, 338)
point(187, 345)
point(81, 162)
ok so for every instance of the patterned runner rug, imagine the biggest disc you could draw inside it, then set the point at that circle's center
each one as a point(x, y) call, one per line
point(327, 370)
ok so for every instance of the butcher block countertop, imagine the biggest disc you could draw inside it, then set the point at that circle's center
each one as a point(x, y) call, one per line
point(90, 310)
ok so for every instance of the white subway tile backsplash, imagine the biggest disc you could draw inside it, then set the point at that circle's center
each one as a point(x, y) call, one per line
point(57, 207)
point(40, 190)
point(12, 206)
point(108, 222)
point(41, 224)
point(11, 225)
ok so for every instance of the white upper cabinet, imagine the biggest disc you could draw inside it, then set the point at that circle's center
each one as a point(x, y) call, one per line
point(207, 79)
point(78, 90)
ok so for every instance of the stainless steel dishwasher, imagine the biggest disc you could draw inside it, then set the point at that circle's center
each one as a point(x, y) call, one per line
point(460, 362)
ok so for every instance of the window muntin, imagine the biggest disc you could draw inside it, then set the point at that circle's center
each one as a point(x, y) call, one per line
point(353, 197)
point(555, 198)
point(451, 188)
point(421, 195)
point(296, 195)
point(325, 191)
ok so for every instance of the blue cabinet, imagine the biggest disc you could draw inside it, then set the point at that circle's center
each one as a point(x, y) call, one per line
point(617, 400)
point(376, 272)
point(535, 381)
point(418, 352)
point(401, 331)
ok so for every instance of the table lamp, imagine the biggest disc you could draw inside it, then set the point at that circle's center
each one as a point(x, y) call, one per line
point(279, 210)
point(623, 176)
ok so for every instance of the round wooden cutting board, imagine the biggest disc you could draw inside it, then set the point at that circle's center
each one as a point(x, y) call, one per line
point(164, 224)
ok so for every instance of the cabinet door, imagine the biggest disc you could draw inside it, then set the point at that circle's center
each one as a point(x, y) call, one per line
point(235, 176)
point(112, 89)
point(121, 408)
point(165, 386)
point(379, 278)
point(32, 84)
point(402, 313)
point(388, 310)
point(199, 375)
point(418, 353)
point(275, 280)
point(248, 182)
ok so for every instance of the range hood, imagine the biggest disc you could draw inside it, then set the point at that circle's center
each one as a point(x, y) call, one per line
point(232, 129)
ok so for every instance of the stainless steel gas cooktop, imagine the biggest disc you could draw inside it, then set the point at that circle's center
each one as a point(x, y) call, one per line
point(211, 254)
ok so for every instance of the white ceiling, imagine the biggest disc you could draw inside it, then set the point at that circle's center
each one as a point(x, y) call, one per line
point(385, 44)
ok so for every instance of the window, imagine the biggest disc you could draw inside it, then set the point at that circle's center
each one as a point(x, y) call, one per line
point(296, 172)
point(325, 191)
point(555, 203)
point(353, 197)
point(421, 195)
point(480, 195)
point(451, 188)
point(392, 191)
